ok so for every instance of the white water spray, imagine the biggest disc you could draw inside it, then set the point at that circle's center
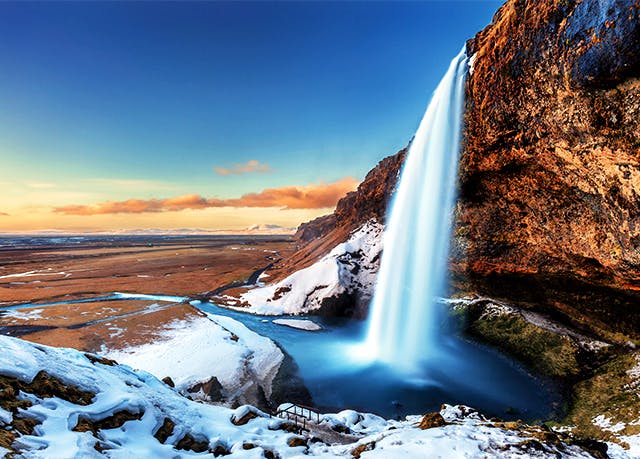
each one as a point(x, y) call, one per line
point(405, 321)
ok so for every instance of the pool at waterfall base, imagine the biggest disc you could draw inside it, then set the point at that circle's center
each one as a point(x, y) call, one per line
point(339, 374)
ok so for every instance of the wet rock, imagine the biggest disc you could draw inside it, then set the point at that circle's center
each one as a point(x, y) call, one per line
point(190, 443)
point(603, 38)
point(549, 178)
point(46, 386)
point(6, 439)
point(341, 429)
point(268, 454)
point(24, 426)
point(168, 381)
point(212, 390)
point(221, 450)
point(165, 430)
point(243, 415)
point(116, 420)
point(597, 449)
point(294, 442)
point(357, 452)
point(431, 420)
point(286, 426)
point(288, 385)
point(98, 359)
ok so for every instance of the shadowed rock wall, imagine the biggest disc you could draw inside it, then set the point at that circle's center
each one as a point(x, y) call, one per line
point(549, 201)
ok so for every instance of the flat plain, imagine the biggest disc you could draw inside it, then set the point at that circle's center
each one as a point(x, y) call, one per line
point(56, 275)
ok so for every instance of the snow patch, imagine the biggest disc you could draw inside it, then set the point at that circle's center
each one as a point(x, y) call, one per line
point(352, 265)
point(605, 424)
point(299, 324)
point(634, 373)
point(5, 417)
point(30, 315)
point(195, 350)
point(142, 296)
point(42, 272)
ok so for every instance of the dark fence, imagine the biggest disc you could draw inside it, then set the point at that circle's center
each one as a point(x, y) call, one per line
point(299, 414)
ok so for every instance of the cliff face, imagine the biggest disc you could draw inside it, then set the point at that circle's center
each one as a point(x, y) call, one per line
point(549, 200)
point(369, 202)
point(333, 271)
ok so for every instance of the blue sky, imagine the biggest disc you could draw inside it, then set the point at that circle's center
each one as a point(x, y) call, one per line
point(111, 101)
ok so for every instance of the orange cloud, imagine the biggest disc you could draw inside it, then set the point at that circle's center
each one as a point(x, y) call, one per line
point(4, 214)
point(251, 166)
point(289, 197)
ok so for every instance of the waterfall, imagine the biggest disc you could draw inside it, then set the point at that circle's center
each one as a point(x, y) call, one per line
point(405, 321)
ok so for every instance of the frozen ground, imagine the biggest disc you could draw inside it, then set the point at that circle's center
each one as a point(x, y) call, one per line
point(244, 433)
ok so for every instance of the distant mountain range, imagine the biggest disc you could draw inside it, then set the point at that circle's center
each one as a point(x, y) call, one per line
point(255, 229)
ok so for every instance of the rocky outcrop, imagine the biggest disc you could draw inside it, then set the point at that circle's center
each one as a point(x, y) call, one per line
point(369, 202)
point(549, 202)
point(339, 284)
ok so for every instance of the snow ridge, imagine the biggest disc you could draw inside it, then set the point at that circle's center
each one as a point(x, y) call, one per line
point(242, 433)
point(351, 267)
point(195, 350)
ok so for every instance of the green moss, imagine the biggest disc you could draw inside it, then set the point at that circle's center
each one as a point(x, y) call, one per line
point(545, 352)
point(611, 392)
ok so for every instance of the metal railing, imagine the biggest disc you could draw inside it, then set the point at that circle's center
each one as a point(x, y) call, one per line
point(299, 414)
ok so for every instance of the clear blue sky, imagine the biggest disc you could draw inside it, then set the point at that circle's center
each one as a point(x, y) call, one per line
point(165, 92)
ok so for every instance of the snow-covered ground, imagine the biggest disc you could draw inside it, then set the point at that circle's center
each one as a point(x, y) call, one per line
point(33, 314)
point(194, 350)
point(44, 272)
point(118, 389)
point(350, 266)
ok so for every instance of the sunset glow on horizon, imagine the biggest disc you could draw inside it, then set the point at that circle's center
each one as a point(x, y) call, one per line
point(208, 115)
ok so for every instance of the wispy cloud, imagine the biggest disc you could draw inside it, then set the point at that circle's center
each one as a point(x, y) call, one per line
point(41, 186)
point(252, 166)
point(4, 214)
point(289, 197)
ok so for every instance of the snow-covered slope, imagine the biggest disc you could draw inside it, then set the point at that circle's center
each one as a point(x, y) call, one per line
point(84, 407)
point(193, 351)
point(350, 268)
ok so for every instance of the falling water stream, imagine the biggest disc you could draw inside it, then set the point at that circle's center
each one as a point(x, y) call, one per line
point(406, 321)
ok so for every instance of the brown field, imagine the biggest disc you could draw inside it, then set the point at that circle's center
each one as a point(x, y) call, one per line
point(181, 267)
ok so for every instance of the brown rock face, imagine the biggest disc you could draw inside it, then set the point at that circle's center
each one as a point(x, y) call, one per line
point(431, 420)
point(317, 237)
point(549, 200)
